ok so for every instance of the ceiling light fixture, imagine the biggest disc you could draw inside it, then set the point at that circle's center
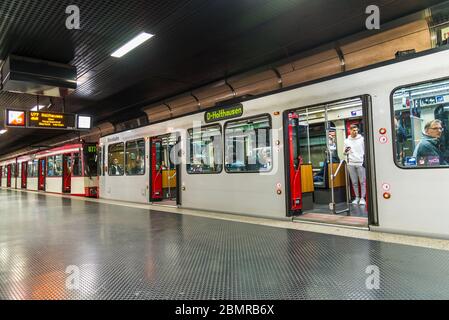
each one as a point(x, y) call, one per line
point(133, 43)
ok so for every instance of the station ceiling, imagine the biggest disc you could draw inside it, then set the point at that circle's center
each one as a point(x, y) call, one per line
point(196, 42)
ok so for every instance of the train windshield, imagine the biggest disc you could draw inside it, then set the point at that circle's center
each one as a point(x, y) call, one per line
point(91, 158)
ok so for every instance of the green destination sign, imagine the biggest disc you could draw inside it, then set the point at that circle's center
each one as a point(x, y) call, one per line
point(224, 113)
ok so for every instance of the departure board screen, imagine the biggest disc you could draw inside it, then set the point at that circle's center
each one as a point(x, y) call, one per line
point(51, 120)
point(15, 118)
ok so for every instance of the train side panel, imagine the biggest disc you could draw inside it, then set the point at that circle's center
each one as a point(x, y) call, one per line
point(418, 202)
point(32, 184)
point(53, 184)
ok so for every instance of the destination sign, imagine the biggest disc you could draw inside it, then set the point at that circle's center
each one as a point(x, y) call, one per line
point(224, 113)
point(92, 149)
point(51, 120)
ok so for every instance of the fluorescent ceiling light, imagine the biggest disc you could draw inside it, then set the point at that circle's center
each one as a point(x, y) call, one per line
point(3, 131)
point(35, 107)
point(136, 41)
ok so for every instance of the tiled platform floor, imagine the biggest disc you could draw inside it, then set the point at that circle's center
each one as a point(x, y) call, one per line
point(121, 252)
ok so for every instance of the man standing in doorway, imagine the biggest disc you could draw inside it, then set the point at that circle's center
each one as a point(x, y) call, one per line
point(355, 151)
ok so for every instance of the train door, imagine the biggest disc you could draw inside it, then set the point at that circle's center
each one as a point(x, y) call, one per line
point(24, 174)
point(319, 183)
point(8, 175)
point(156, 169)
point(41, 174)
point(67, 173)
point(164, 179)
point(1, 175)
point(101, 169)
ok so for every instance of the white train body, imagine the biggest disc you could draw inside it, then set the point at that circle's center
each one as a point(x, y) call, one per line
point(418, 202)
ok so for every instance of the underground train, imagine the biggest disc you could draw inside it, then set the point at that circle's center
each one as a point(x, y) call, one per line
point(270, 156)
point(281, 155)
point(69, 169)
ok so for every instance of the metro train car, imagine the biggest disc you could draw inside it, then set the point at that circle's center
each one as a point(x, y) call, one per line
point(69, 169)
point(285, 168)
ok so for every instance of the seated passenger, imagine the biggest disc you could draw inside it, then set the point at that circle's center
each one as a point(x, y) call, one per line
point(115, 169)
point(50, 171)
point(264, 159)
point(319, 177)
point(139, 166)
point(428, 150)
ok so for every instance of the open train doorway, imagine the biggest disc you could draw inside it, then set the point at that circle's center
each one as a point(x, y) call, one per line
point(9, 175)
point(41, 174)
point(67, 173)
point(164, 169)
point(24, 174)
point(327, 163)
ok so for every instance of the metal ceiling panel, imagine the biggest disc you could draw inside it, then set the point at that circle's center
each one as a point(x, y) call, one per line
point(196, 42)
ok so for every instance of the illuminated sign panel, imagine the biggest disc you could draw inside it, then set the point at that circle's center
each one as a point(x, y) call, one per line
point(15, 118)
point(84, 122)
point(46, 120)
point(51, 120)
point(92, 149)
point(224, 113)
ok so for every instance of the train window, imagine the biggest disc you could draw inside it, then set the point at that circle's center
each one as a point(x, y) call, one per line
point(135, 157)
point(103, 161)
point(54, 166)
point(421, 123)
point(77, 166)
point(248, 145)
point(58, 165)
point(205, 153)
point(35, 168)
point(50, 166)
point(32, 168)
point(116, 159)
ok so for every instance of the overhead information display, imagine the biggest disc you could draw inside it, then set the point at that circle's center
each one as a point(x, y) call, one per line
point(47, 120)
point(51, 120)
point(15, 118)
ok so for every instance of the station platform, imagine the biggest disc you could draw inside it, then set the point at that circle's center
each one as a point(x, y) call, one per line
point(124, 251)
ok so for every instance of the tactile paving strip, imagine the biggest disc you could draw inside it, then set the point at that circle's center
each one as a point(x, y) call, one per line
point(128, 253)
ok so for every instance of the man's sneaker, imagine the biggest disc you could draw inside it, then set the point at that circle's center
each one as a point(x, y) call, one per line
point(356, 201)
point(362, 202)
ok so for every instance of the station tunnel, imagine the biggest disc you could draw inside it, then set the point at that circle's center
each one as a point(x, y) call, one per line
point(223, 150)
